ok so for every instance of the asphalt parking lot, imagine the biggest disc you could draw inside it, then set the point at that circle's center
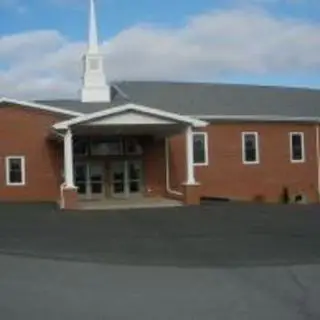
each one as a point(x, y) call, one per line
point(220, 261)
point(206, 236)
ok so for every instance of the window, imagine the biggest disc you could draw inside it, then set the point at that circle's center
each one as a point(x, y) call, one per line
point(297, 147)
point(200, 148)
point(104, 148)
point(80, 148)
point(133, 147)
point(250, 148)
point(15, 171)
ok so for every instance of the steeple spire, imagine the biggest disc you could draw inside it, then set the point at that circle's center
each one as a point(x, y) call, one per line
point(94, 88)
point(93, 35)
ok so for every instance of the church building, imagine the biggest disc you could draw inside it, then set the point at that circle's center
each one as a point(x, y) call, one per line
point(163, 140)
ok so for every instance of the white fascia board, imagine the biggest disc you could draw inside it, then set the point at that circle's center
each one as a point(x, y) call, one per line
point(39, 106)
point(271, 118)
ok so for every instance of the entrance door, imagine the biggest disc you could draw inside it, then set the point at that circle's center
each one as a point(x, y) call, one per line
point(80, 177)
point(126, 178)
point(89, 178)
point(134, 170)
point(118, 179)
point(96, 180)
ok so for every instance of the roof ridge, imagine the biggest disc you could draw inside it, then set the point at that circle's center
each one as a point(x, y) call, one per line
point(226, 84)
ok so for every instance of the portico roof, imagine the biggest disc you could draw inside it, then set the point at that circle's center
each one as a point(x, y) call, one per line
point(130, 114)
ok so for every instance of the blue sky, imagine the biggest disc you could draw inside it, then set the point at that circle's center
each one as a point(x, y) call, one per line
point(70, 16)
point(120, 19)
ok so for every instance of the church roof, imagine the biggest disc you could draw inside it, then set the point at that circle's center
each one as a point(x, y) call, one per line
point(205, 99)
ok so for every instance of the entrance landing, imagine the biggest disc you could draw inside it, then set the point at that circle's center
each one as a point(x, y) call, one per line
point(133, 203)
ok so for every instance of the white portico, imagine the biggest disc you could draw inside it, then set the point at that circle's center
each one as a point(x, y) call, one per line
point(128, 120)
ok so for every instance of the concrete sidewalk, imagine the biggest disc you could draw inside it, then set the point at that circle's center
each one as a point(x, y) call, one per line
point(132, 203)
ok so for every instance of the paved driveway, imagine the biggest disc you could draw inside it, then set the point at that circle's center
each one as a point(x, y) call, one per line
point(212, 235)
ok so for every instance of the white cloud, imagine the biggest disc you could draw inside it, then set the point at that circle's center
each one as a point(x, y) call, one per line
point(45, 64)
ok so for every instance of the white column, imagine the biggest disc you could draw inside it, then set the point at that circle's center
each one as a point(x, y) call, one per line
point(189, 161)
point(68, 160)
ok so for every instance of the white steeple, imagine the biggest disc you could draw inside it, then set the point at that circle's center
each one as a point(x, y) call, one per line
point(93, 46)
point(94, 88)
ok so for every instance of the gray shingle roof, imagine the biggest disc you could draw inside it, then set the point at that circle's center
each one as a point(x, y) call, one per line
point(208, 99)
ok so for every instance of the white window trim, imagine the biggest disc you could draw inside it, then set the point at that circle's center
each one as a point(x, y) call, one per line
point(257, 146)
point(23, 171)
point(302, 147)
point(206, 150)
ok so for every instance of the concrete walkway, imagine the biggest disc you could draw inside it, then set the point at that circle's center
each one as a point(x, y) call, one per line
point(132, 203)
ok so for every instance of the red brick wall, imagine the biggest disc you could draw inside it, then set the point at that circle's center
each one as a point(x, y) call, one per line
point(227, 177)
point(24, 132)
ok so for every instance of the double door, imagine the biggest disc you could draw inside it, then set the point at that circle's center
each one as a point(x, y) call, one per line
point(90, 180)
point(126, 178)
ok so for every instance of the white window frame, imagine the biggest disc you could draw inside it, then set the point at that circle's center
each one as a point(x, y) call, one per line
point(301, 134)
point(206, 149)
point(23, 171)
point(257, 147)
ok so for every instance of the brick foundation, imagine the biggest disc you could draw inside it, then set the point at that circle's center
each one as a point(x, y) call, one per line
point(69, 199)
point(191, 194)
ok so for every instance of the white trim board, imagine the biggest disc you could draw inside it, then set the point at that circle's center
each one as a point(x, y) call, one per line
point(257, 118)
point(39, 106)
point(113, 111)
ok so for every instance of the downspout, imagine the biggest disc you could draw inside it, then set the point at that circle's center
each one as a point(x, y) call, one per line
point(62, 202)
point(318, 158)
point(168, 187)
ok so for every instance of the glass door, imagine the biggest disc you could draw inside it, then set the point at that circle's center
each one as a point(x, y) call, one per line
point(126, 178)
point(118, 179)
point(89, 178)
point(80, 178)
point(134, 182)
point(96, 180)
